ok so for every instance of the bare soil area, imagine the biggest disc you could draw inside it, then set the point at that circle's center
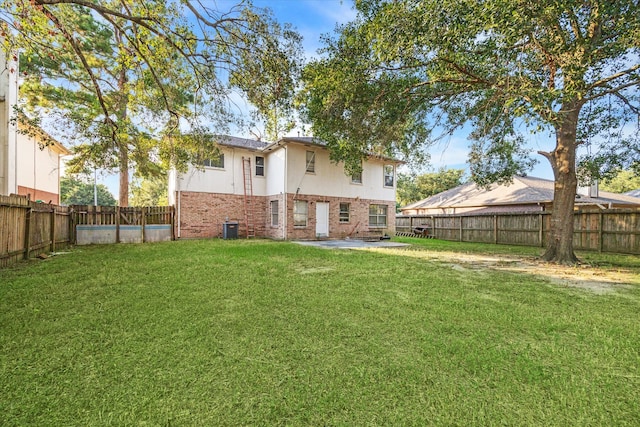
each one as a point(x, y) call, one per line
point(587, 277)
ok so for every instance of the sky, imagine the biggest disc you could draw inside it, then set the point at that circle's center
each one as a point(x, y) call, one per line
point(312, 19)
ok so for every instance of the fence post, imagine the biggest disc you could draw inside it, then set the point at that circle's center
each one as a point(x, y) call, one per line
point(601, 232)
point(433, 227)
point(117, 224)
point(52, 228)
point(460, 229)
point(143, 222)
point(173, 222)
point(541, 230)
point(495, 229)
point(27, 232)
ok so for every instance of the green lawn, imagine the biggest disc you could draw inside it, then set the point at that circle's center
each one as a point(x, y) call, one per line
point(199, 333)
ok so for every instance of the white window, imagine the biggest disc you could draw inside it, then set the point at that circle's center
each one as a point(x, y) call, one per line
point(345, 212)
point(259, 166)
point(356, 177)
point(300, 213)
point(388, 175)
point(377, 216)
point(311, 162)
point(217, 162)
point(274, 213)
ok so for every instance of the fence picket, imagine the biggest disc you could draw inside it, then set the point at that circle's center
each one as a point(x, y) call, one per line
point(612, 230)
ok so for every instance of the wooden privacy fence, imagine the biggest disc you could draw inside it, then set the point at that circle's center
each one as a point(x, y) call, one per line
point(613, 230)
point(114, 224)
point(28, 228)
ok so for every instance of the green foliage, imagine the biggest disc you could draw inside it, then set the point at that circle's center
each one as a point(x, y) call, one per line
point(149, 192)
point(622, 182)
point(270, 81)
point(74, 191)
point(123, 78)
point(405, 72)
point(498, 65)
point(412, 188)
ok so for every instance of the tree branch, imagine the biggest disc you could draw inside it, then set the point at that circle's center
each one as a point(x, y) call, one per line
point(85, 65)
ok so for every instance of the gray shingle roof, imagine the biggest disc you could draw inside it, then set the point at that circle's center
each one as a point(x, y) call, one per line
point(234, 141)
point(523, 190)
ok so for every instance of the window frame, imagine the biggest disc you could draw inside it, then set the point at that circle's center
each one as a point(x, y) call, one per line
point(261, 167)
point(378, 215)
point(385, 175)
point(298, 215)
point(217, 163)
point(344, 216)
point(275, 213)
point(355, 180)
point(310, 163)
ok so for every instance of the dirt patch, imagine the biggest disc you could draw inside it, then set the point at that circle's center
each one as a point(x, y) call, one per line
point(593, 279)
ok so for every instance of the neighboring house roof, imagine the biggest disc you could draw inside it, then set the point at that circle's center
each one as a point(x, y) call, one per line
point(43, 137)
point(634, 193)
point(522, 191)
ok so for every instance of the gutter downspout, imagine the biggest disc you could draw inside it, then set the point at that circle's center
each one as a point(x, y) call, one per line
point(179, 199)
point(284, 193)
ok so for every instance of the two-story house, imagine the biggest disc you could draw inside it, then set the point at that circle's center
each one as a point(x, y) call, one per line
point(29, 158)
point(284, 190)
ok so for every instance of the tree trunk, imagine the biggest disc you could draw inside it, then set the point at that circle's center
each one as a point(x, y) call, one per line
point(122, 142)
point(123, 195)
point(563, 162)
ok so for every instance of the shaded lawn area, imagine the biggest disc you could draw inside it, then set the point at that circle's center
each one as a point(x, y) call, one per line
point(272, 333)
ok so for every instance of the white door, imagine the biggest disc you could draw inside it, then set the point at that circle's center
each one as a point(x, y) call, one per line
point(322, 219)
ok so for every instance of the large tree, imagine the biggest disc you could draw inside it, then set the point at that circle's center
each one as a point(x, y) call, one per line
point(506, 68)
point(127, 77)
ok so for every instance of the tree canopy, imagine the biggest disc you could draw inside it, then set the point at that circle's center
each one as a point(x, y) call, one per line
point(407, 72)
point(125, 78)
point(75, 191)
point(622, 182)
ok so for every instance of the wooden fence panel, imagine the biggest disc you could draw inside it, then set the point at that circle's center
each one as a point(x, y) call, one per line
point(478, 229)
point(13, 214)
point(615, 230)
point(28, 228)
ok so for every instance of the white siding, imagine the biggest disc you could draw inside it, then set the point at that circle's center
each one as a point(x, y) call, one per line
point(8, 134)
point(37, 168)
point(229, 180)
point(330, 179)
point(275, 171)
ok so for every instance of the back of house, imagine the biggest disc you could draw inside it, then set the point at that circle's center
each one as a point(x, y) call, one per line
point(289, 189)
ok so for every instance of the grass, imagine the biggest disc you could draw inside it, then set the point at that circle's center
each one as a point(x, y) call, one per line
point(272, 333)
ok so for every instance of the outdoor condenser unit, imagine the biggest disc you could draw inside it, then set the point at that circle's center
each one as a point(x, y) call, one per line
point(230, 230)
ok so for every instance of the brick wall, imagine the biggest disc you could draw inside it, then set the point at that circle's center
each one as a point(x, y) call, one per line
point(34, 194)
point(202, 216)
point(357, 226)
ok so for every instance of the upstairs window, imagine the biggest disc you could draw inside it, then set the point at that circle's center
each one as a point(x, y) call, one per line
point(217, 162)
point(356, 177)
point(259, 166)
point(311, 162)
point(388, 175)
